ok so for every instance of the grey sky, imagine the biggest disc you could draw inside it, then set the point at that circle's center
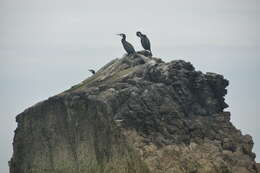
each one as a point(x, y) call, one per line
point(47, 46)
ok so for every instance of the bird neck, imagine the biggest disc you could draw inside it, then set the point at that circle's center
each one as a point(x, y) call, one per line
point(123, 37)
point(123, 40)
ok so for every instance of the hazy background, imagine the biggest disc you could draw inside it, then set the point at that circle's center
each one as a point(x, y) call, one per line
point(46, 46)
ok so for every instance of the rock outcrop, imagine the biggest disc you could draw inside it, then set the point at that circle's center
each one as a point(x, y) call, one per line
point(137, 114)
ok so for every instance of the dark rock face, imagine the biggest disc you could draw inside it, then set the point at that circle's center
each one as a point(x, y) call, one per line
point(136, 114)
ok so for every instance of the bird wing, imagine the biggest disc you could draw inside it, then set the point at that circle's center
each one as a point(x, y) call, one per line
point(146, 43)
point(129, 47)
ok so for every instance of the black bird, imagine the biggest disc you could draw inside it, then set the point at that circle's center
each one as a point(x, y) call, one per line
point(144, 40)
point(92, 71)
point(127, 46)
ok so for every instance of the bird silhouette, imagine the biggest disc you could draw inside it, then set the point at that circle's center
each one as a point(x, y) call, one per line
point(127, 46)
point(92, 71)
point(144, 41)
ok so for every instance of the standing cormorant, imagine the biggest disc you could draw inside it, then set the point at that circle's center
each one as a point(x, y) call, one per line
point(145, 41)
point(92, 71)
point(127, 46)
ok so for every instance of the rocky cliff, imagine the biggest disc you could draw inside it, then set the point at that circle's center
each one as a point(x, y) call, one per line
point(137, 114)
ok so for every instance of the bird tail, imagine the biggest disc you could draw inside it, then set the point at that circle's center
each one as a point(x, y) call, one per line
point(151, 52)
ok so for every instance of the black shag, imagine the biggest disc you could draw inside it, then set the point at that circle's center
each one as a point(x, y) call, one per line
point(92, 71)
point(144, 40)
point(127, 46)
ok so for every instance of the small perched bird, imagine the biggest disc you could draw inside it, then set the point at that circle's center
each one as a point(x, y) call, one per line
point(145, 41)
point(92, 71)
point(127, 46)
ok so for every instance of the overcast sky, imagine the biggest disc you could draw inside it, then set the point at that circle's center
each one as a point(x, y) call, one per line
point(46, 46)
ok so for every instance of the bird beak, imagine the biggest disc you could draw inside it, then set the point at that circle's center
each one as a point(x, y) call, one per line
point(118, 34)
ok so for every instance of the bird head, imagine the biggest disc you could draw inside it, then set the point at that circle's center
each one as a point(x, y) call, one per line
point(122, 35)
point(138, 33)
